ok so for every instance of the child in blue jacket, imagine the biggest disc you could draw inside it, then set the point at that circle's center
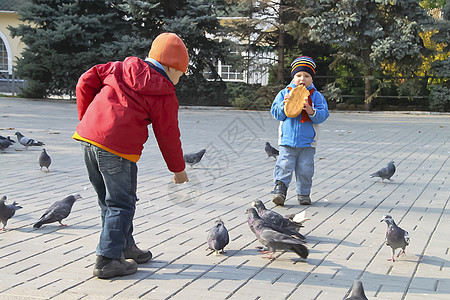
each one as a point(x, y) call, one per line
point(298, 136)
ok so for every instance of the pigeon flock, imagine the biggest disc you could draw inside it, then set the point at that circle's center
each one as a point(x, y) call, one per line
point(56, 212)
point(272, 230)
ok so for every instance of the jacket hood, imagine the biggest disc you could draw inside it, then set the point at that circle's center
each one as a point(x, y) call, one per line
point(140, 77)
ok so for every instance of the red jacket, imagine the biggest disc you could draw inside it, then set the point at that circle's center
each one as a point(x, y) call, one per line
point(118, 100)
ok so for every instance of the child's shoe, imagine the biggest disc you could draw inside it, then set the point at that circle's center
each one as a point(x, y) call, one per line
point(138, 255)
point(304, 199)
point(107, 267)
point(280, 193)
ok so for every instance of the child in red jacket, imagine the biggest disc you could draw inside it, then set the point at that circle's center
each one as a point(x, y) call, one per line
point(116, 102)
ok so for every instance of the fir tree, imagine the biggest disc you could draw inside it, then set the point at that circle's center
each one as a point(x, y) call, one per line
point(66, 37)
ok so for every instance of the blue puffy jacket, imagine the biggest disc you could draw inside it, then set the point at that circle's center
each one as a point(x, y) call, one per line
point(292, 132)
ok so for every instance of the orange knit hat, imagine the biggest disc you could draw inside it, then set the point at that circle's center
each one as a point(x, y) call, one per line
point(169, 50)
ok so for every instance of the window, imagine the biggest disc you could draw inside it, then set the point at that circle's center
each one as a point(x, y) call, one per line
point(3, 57)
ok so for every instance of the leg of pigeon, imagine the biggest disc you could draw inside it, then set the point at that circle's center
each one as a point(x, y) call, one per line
point(392, 257)
point(61, 224)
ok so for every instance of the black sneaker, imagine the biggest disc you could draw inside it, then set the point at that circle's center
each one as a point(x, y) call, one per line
point(107, 267)
point(138, 255)
point(280, 193)
point(304, 199)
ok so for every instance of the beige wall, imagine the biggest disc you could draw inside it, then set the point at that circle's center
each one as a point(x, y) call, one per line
point(14, 46)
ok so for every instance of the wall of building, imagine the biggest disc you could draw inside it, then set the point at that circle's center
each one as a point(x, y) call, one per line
point(14, 46)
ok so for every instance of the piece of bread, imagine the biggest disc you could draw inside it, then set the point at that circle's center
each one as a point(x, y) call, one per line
point(294, 105)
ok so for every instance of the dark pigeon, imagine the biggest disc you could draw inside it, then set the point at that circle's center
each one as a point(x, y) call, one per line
point(194, 158)
point(27, 142)
point(386, 172)
point(272, 239)
point(7, 211)
point(276, 221)
point(357, 291)
point(5, 143)
point(58, 211)
point(271, 151)
point(396, 237)
point(44, 159)
point(218, 237)
point(6, 138)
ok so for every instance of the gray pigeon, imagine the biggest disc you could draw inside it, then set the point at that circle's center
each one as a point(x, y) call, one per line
point(27, 142)
point(272, 239)
point(5, 143)
point(357, 291)
point(194, 158)
point(218, 237)
point(58, 211)
point(276, 221)
point(7, 211)
point(44, 159)
point(271, 151)
point(396, 237)
point(386, 172)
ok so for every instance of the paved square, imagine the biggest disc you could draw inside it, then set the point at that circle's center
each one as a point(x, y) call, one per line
point(345, 236)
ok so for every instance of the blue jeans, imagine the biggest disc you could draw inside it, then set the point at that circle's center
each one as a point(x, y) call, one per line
point(115, 181)
point(300, 160)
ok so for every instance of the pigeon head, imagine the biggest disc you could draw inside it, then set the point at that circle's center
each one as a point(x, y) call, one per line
point(4, 198)
point(358, 291)
point(219, 223)
point(77, 196)
point(259, 205)
point(252, 212)
point(388, 219)
point(19, 135)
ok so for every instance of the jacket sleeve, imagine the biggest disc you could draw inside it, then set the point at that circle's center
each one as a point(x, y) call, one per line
point(164, 118)
point(321, 107)
point(277, 109)
point(88, 85)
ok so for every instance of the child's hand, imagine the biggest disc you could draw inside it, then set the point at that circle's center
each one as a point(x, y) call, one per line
point(286, 97)
point(308, 108)
point(180, 177)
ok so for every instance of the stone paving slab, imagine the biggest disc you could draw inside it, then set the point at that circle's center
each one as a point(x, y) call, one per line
point(345, 236)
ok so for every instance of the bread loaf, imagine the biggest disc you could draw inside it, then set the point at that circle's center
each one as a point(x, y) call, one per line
point(294, 104)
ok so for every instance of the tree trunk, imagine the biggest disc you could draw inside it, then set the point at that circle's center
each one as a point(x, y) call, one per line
point(367, 92)
point(280, 69)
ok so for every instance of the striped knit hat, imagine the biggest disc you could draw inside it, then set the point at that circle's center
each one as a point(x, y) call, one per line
point(169, 50)
point(303, 63)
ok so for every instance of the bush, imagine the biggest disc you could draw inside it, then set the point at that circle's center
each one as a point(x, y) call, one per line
point(439, 98)
point(192, 90)
point(242, 95)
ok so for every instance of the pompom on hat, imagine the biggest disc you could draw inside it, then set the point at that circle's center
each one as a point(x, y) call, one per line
point(169, 50)
point(303, 63)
